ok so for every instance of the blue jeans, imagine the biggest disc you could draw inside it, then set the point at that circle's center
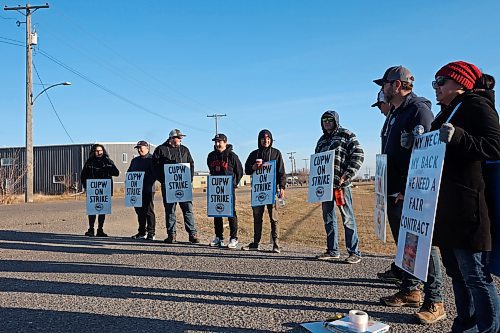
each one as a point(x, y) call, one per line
point(433, 288)
point(187, 212)
point(476, 297)
point(331, 228)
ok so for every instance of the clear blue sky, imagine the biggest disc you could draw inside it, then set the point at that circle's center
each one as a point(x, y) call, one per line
point(275, 64)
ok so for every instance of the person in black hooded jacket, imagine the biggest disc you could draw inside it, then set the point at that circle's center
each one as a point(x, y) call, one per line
point(468, 124)
point(98, 166)
point(266, 153)
point(223, 161)
point(172, 152)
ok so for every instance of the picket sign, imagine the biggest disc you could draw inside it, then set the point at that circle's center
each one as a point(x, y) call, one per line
point(98, 193)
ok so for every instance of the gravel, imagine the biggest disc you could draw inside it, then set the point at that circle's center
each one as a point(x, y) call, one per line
point(54, 279)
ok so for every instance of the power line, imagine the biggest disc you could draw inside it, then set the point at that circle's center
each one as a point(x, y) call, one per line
point(169, 87)
point(111, 92)
point(53, 108)
point(1, 41)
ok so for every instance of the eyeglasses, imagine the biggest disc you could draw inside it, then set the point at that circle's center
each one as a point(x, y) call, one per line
point(440, 81)
point(328, 120)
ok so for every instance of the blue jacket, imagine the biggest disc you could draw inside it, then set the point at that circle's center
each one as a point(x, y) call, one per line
point(412, 112)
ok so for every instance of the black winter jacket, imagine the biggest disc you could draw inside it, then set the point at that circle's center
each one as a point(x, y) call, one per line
point(462, 215)
point(267, 154)
point(98, 168)
point(225, 163)
point(166, 154)
point(412, 112)
point(145, 164)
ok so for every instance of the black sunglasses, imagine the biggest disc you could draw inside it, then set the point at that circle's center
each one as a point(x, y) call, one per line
point(440, 81)
point(328, 120)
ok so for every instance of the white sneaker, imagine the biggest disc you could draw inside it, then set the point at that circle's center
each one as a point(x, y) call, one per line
point(217, 242)
point(232, 243)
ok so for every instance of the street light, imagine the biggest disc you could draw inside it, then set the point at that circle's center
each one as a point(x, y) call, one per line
point(28, 197)
point(44, 90)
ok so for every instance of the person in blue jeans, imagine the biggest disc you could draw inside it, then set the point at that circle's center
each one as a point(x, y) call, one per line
point(172, 152)
point(468, 124)
point(410, 112)
point(349, 157)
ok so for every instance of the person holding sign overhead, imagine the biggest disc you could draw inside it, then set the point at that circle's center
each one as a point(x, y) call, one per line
point(348, 159)
point(145, 213)
point(257, 161)
point(98, 166)
point(468, 124)
point(223, 161)
point(173, 152)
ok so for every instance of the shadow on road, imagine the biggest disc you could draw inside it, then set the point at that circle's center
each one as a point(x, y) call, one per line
point(28, 320)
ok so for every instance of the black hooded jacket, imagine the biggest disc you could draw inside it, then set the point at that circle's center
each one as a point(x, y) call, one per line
point(98, 168)
point(225, 163)
point(267, 154)
point(462, 219)
point(166, 154)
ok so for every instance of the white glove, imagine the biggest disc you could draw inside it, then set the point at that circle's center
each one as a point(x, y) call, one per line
point(446, 132)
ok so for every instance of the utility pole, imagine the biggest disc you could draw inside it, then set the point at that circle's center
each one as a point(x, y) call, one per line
point(28, 197)
point(305, 163)
point(292, 162)
point(216, 116)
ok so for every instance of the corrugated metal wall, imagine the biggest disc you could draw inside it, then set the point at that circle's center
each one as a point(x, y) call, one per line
point(67, 161)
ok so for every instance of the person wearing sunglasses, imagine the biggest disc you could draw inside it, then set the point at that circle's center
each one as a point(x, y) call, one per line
point(172, 152)
point(349, 157)
point(98, 166)
point(410, 112)
point(468, 124)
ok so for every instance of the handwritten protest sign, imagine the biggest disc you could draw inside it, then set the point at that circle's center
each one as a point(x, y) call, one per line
point(264, 184)
point(178, 182)
point(220, 196)
point(381, 197)
point(133, 188)
point(420, 202)
point(321, 177)
point(98, 196)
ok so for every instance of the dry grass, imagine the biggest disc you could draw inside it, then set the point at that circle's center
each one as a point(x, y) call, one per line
point(301, 223)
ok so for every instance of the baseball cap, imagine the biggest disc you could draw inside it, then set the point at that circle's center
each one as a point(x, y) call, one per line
point(141, 144)
point(220, 137)
point(380, 99)
point(175, 133)
point(394, 73)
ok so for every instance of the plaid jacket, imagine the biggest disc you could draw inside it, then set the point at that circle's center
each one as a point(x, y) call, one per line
point(349, 155)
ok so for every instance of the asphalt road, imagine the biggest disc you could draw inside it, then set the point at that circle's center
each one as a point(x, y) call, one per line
point(53, 279)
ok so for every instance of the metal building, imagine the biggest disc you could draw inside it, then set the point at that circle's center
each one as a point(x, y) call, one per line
point(57, 168)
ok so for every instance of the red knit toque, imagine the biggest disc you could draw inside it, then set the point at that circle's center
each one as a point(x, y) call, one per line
point(462, 72)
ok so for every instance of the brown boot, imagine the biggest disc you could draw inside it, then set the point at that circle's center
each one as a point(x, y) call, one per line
point(412, 298)
point(431, 312)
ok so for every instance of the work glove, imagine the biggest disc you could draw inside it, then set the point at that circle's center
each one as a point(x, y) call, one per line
point(407, 140)
point(446, 132)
